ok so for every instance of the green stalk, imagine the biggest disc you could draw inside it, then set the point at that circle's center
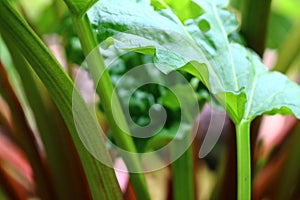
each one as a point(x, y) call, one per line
point(101, 179)
point(289, 50)
point(183, 176)
point(255, 16)
point(104, 89)
point(243, 160)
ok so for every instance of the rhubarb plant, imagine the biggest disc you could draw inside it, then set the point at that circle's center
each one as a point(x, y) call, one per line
point(202, 43)
point(202, 46)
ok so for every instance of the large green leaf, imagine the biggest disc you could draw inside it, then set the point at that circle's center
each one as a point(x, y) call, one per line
point(109, 18)
point(234, 74)
point(266, 92)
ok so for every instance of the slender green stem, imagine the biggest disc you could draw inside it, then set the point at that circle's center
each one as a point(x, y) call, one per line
point(243, 160)
point(182, 174)
point(255, 16)
point(289, 50)
point(104, 89)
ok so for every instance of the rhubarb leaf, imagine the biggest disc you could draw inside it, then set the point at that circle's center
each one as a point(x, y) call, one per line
point(202, 47)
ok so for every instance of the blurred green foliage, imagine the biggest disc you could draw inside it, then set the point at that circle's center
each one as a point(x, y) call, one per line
point(147, 96)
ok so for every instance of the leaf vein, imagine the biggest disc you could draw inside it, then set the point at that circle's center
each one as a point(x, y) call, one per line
point(227, 44)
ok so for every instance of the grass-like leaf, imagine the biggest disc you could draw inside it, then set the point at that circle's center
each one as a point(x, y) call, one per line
point(63, 162)
point(22, 133)
point(101, 179)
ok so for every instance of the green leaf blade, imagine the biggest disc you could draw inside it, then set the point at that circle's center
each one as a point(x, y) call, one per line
point(234, 74)
point(101, 179)
point(109, 18)
point(215, 41)
point(62, 162)
point(267, 92)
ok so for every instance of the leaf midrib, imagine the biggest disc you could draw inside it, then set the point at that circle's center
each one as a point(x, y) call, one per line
point(251, 97)
point(227, 45)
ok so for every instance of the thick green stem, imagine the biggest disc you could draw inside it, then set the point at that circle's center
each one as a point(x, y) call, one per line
point(183, 181)
point(243, 160)
point(255, 16)
point(104, 89)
